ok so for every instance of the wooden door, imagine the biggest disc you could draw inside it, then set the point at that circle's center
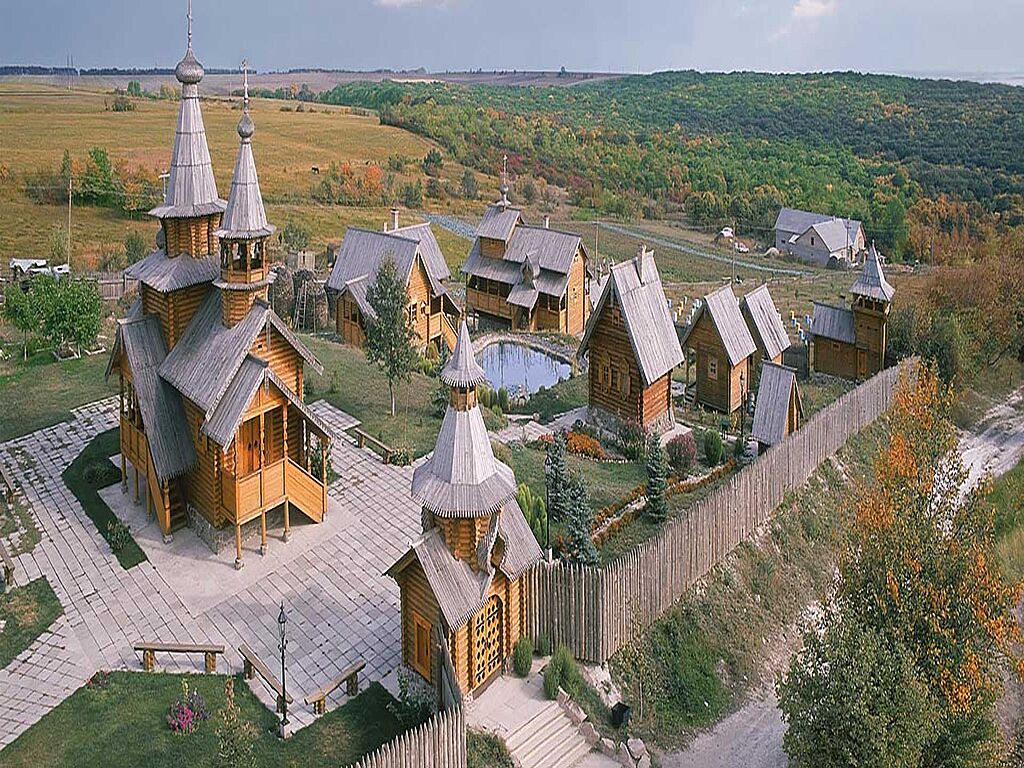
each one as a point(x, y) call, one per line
point(862, 364)
point(488, 632)
point(249, 447)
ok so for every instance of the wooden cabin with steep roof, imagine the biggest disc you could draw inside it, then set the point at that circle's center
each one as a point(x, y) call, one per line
point(211, 379)
point(779, 410)
point(724, 348)
point(851, 342)
point(633, 348)
point(526, 277)
point(420, 264)
point(766, 329)
point(463, 582)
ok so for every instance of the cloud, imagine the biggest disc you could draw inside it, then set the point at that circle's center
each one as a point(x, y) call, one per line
point(396, 3)
point(814, 9)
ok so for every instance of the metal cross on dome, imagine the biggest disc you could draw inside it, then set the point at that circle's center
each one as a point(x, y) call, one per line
point(188, 15)
point(245, 81)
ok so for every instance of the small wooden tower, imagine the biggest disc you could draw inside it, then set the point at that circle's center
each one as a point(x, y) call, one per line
point(872, 299)
point(244, 230)
point(463, 581)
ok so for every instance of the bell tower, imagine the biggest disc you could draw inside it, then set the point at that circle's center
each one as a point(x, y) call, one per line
point(244, 231)
point(872, 298)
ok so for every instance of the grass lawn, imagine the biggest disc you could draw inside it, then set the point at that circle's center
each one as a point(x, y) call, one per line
point(42, 392)
point(26, 612)
point(819, 391)
point(1008, 499)
point(350, 383)
point(123, 724)
point(711, 649)
point(563, 396)
point(17, 518)
point(89, 472)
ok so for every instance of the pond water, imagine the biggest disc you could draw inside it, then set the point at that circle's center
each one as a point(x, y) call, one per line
point(520, 369)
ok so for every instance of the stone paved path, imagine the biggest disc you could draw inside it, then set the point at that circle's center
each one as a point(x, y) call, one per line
point(340, 605)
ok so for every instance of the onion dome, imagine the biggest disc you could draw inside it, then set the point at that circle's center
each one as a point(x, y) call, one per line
point(189, 71)
point(246, 127)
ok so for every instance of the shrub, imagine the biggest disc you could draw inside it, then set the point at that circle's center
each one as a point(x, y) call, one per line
point(503, 399)
point(414, 704)
point(236, 738)
point(682, 452)
point(633, 440)
point(739, 447)
point(657, 473)
point(713, 449)
point(185, 714)
point(119, 534)
point(542, 645)
point(486, 750)
point(122, 104)
point(584, 428)
point(522, 657)
point(100, 473)
point(561, 672)
point(584, 445)
point(401, 456)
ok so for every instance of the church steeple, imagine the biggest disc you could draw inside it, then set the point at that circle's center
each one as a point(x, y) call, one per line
point(191, 210)
point(244, 230)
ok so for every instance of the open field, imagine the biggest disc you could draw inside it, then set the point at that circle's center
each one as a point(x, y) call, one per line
point(39, 125)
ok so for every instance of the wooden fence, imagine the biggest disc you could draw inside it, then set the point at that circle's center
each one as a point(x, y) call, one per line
point(595, 611)
point(113, 285)
point(438, 743)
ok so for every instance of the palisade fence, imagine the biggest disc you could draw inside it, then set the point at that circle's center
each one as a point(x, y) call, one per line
point(595, 611)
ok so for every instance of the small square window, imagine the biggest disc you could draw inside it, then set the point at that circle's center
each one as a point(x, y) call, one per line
point(713, 368)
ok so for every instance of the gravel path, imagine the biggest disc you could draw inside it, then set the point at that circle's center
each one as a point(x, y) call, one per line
point(752, 736)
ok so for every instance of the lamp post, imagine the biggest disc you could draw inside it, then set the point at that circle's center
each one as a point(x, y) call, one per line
point(282, 622)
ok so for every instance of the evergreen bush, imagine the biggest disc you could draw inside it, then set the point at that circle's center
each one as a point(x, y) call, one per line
point(522, 657)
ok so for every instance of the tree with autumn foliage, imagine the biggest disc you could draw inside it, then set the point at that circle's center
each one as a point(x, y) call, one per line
point(920, 578)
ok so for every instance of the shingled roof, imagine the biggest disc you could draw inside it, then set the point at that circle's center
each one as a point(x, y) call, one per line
point(141, 342)
point(363, 250)
point(872, 282)
point(771, 414)
point(498, 222)
point(765, 321)
point(164, 273)
point(245, 217)
point(462, 369)
point(832, 322)
point(728, 321)
point(636, 285)
point(792, 220)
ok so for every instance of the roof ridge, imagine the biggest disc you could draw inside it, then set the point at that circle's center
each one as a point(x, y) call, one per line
point(381, 232)
point(542, 228)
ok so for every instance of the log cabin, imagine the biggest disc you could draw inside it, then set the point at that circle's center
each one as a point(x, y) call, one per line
point(463, 582)
point(527, 277)
point(633, 349)
point(724, 349)
point(850, 342)
point(212, 416)
point(766, 328)
point(419, 263)
point(779, 410)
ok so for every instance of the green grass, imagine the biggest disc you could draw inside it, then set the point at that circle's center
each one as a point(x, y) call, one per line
point(16, 518)
point(819, 391)
point(563, 396)
point(350, 383)
point(86, 475)
point(42, 392)
point(706, 653)
point(27, 612)
point(486, 750)
point(1008, 499)
point(123, 724)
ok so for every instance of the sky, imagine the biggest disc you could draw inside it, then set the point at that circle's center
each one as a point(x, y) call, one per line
point(898, 36)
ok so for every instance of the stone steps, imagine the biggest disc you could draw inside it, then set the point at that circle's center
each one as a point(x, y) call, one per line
point(548, 740)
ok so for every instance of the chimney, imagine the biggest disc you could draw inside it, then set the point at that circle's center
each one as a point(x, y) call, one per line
point(385, 225)
point(642, 255)
point(394, 217)
point(547, 221)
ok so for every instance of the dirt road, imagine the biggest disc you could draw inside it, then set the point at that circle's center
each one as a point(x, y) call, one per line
point(752, 736)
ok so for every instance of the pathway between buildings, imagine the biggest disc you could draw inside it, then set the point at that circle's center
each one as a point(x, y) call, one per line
point(752, 736)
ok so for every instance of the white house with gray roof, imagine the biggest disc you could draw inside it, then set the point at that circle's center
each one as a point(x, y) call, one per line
point(818, 238)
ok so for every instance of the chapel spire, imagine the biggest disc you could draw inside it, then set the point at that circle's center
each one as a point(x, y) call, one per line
point(504, 203)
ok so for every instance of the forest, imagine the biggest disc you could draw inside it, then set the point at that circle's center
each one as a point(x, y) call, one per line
point(930, 166)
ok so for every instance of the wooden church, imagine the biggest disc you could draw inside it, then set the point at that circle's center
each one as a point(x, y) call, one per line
point(851, 343)
point(211, 380)
point(633, 348)
point(463, 582)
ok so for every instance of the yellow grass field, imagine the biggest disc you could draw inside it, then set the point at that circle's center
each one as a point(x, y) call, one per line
point(38, 123)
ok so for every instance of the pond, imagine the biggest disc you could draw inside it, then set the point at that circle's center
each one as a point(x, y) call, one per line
point(520, 369)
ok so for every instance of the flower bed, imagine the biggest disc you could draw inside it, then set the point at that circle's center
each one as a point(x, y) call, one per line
point(584, 445)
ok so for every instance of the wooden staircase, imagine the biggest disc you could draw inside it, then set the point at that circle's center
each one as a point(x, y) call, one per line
point(179, 516)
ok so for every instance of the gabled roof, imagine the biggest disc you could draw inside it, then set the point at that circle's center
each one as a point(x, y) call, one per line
point(835, 323)
point(728, 320)
point(207, 357)
point(462, 369)
point(551, 249)
point(222, 423)
point(834, 234)
point(636, 285)
point(798, 222)
point(363, 250)
point(498, 222)
point(141, 341)
point(191, 188)
point(357, 290)
point(164, 273)
point(767, 325)
point(462, 478)
point(771, 414)
point(245, 217)
point(872, 282)
point(459, 590)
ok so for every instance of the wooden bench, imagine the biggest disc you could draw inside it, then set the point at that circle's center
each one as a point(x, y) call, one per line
point(8, 565)
point(252, 665)
point(349, 676)
point(362, 438)
point(149, 651)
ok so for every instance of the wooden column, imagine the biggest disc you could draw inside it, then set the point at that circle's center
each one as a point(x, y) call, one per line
point(136, 469)
point(284, 423)
point(263, 531)
point(263, 461)
point(238, 547)
point(165, 502)
point(323, 469)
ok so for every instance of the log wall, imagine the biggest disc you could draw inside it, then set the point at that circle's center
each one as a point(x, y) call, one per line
point(596, 610)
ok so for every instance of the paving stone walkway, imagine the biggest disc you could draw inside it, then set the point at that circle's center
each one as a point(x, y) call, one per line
point(340, 605)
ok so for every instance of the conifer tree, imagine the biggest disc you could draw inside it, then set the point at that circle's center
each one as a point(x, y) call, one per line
point(556, 477)
point(657, 474)
point(579, 522)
